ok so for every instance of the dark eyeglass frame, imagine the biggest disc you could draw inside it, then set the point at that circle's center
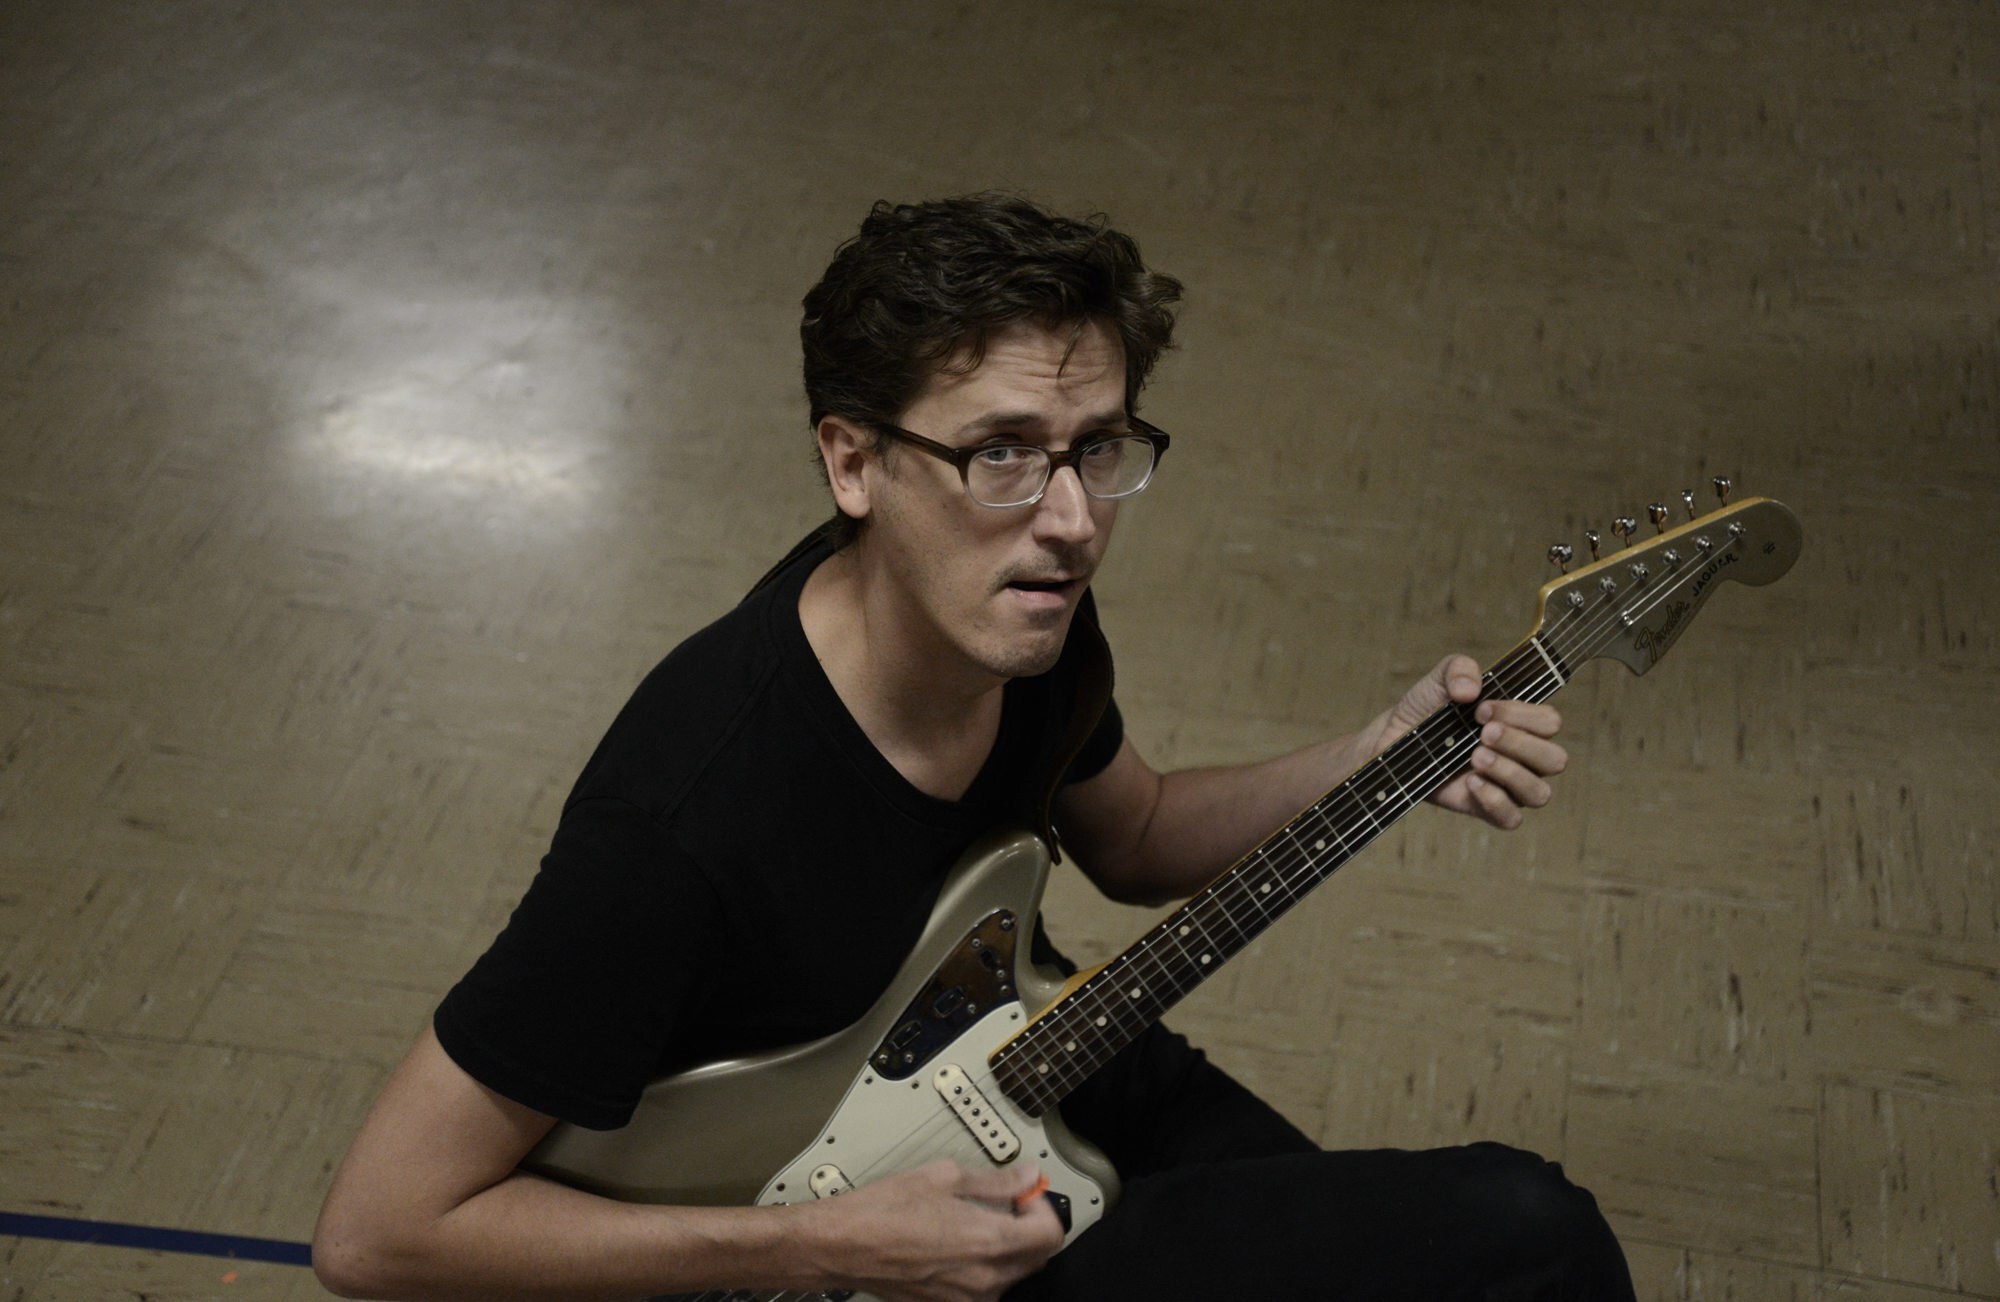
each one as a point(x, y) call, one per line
point(1071, 456)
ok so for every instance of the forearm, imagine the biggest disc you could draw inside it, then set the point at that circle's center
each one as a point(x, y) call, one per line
point(527, 1237)
point(1146, 837)
point(1201, 820)
point(430, 1202)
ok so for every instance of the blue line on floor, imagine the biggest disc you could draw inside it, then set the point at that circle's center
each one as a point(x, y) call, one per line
point(117, 1235)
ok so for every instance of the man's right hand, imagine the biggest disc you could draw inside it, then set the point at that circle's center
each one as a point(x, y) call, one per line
point(940, 1233)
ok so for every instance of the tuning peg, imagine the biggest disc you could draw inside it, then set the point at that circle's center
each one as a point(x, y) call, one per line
point(1721, 485)
point(1657, 513)
point(1687, 500)
point(1624, 526)
point(1559, 556)
point(1590, 536)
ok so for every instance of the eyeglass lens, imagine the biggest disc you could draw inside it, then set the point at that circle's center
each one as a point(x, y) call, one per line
point(1009, 476)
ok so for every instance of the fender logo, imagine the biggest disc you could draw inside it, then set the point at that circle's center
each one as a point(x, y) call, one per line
point(1655, 641)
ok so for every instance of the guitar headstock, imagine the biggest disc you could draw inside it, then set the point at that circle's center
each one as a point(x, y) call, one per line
point(1633, 604)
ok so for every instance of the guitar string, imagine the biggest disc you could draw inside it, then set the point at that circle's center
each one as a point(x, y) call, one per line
point(1227, 906)
point(1541, 677)
point(1273, 852)
point(1162, 951)
point(1163, 959)
point(1303, 872)
point(1289, 838)
point(1541, 681)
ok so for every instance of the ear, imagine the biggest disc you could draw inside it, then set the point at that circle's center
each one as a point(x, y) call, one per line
point(846, 449)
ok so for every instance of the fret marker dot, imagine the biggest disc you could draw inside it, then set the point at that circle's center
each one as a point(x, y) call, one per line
point(1319, 845)
point(1103, 1021)
point(1206, 960)
point(1135, 992)
point(1185, 930)
point(1042, 1067)
point(1381, 796)
point(1070, 1047)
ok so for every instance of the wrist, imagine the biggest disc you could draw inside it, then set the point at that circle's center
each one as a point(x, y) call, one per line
point(813, 1245)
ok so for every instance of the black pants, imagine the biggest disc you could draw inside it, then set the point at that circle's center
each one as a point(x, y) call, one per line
point(1224, 1199)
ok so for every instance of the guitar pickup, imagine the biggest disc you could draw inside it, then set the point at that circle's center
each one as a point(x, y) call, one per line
point(972, 1108)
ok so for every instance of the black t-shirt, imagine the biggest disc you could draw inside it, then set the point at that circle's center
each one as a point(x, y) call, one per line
point(738, 868)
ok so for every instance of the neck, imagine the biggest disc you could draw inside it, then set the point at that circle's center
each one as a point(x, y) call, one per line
point(934, 725)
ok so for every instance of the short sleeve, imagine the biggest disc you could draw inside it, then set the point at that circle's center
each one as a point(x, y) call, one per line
point(1100, 748)
point(573, 1009)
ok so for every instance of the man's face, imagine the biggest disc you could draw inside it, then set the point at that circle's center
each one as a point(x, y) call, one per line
point(990, 589)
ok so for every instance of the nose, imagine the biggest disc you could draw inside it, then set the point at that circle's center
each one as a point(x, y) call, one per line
point(1064, 514)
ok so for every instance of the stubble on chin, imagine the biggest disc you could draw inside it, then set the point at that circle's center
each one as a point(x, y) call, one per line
point(1032, 653)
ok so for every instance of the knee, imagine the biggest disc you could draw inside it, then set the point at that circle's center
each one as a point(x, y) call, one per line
point(1528, 1204)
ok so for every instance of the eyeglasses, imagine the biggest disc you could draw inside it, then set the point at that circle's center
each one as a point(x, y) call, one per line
point(1017, 474)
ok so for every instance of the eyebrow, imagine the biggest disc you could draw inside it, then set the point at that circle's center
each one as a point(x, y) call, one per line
point(1005, 421)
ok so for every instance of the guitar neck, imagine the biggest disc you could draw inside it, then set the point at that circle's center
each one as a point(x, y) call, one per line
point(1080, 1032)
point(1630, 607)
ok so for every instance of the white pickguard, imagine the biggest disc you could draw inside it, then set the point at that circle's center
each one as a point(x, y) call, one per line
point(816, 1119)
point(883, 1126)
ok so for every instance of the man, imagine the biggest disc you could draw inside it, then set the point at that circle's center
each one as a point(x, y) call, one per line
point(753, 848)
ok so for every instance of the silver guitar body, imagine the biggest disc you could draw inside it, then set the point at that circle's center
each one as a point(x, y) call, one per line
point(907, 1084)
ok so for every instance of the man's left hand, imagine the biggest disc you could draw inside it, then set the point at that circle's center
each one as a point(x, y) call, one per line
point(1517, 754)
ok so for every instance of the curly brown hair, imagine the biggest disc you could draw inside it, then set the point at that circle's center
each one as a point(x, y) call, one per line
point(923, 285)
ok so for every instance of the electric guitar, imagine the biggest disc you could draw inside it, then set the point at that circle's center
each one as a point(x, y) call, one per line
point(973, 1046)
